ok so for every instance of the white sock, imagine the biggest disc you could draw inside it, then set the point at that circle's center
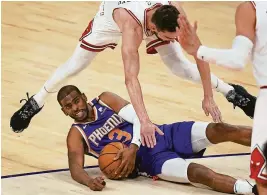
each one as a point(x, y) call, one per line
point(220, 85)
point(76, 63)
point(41, 96)
point(242, 187)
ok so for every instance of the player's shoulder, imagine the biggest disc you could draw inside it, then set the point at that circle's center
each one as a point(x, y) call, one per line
point(245, 11)
point(73, 134)
point(246, 7)
point(124, 17)
point(105, 94)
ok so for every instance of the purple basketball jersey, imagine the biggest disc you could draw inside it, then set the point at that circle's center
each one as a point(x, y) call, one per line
point(110, 127)
point(107, 128)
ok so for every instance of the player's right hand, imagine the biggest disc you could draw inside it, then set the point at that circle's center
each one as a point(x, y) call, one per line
point(210, 107)
point(148, 134)
point(97, 184)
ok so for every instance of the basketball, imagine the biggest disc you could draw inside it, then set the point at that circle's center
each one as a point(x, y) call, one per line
point(105, 160)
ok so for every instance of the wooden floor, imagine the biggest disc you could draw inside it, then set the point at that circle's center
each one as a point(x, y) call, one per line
point(38, 36)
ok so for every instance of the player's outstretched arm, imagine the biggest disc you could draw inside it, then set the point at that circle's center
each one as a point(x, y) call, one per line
point(132, 36)
point(125, 110)
point(76, 162)
point(233, 58)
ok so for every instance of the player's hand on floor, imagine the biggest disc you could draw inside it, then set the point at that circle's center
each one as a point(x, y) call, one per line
point(127, 156)
point(97, 184)
point(209, 106)
point(148, 137)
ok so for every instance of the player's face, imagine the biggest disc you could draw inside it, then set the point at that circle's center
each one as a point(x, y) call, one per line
point(167, 36)
point(75, 106)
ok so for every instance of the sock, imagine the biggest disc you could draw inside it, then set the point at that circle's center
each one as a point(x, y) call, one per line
point(220, 85)
point(242, 187)
point(77, 62)
point(41, 96)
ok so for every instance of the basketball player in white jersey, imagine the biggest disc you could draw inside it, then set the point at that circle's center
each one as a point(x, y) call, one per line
point(154, 22)
point(250, 42)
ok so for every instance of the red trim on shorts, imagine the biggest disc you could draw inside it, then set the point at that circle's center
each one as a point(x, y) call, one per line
point(263, 87)
point(254, 4)
point(150, 47)
point(88, 30)
point(95, 48)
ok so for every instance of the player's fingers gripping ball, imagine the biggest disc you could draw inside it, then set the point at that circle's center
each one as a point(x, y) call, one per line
point(106, 161)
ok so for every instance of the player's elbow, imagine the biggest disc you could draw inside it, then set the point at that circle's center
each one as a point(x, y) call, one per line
point(236, 61)
point(73, 175)
point(237, 65)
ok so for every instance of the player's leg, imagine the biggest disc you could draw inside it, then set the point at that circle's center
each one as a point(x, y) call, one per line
point(223, 132)
point(258, 161)
point(174, 59)
point(199, 174)
point(181, 171)
point(92, 42)
point(204, 134)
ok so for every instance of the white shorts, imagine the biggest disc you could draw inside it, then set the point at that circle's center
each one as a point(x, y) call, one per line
point(199, 142)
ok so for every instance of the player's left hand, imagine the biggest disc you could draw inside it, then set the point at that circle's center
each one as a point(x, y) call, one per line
point(209, 106)
point(128, 156)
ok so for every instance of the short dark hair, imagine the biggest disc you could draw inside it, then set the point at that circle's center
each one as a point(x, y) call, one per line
point(165, 18)
point(66, 90)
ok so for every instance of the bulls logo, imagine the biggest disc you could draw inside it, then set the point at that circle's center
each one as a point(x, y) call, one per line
point(258, 164)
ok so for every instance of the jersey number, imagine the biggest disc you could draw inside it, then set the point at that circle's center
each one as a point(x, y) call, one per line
point(119, 135)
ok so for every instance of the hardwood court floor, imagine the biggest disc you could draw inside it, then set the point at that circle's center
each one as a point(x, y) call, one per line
point(38, 36)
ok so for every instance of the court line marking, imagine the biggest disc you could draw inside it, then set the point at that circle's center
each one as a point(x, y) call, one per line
point(94, 166)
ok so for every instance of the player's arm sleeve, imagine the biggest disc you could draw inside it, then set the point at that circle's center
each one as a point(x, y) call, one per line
point(128, 113)
point(233, 58)
point(172, 56)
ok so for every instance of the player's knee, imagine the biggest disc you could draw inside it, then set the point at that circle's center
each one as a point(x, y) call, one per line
point(200, 174)
point(216, 131)
point(192, 73)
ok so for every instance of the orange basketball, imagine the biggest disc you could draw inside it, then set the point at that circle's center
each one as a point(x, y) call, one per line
point(105, 160)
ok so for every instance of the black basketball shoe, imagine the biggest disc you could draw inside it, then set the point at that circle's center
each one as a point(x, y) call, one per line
point(22, 118)
point(242, 99)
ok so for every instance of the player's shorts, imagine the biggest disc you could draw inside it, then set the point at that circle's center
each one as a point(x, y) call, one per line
point(258, 165)
point(181, 141)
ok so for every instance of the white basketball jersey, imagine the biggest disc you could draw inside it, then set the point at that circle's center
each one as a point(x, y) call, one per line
point(137, 9)
point(259, 54)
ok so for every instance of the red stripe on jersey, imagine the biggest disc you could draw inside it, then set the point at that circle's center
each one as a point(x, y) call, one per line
point(134, 17)
point(153, 44)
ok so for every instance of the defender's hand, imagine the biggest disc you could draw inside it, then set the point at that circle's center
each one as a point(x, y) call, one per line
point(209, 106)
point(148, 134)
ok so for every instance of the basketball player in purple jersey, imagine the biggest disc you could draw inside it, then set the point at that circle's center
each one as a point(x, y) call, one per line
point(109, 118)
